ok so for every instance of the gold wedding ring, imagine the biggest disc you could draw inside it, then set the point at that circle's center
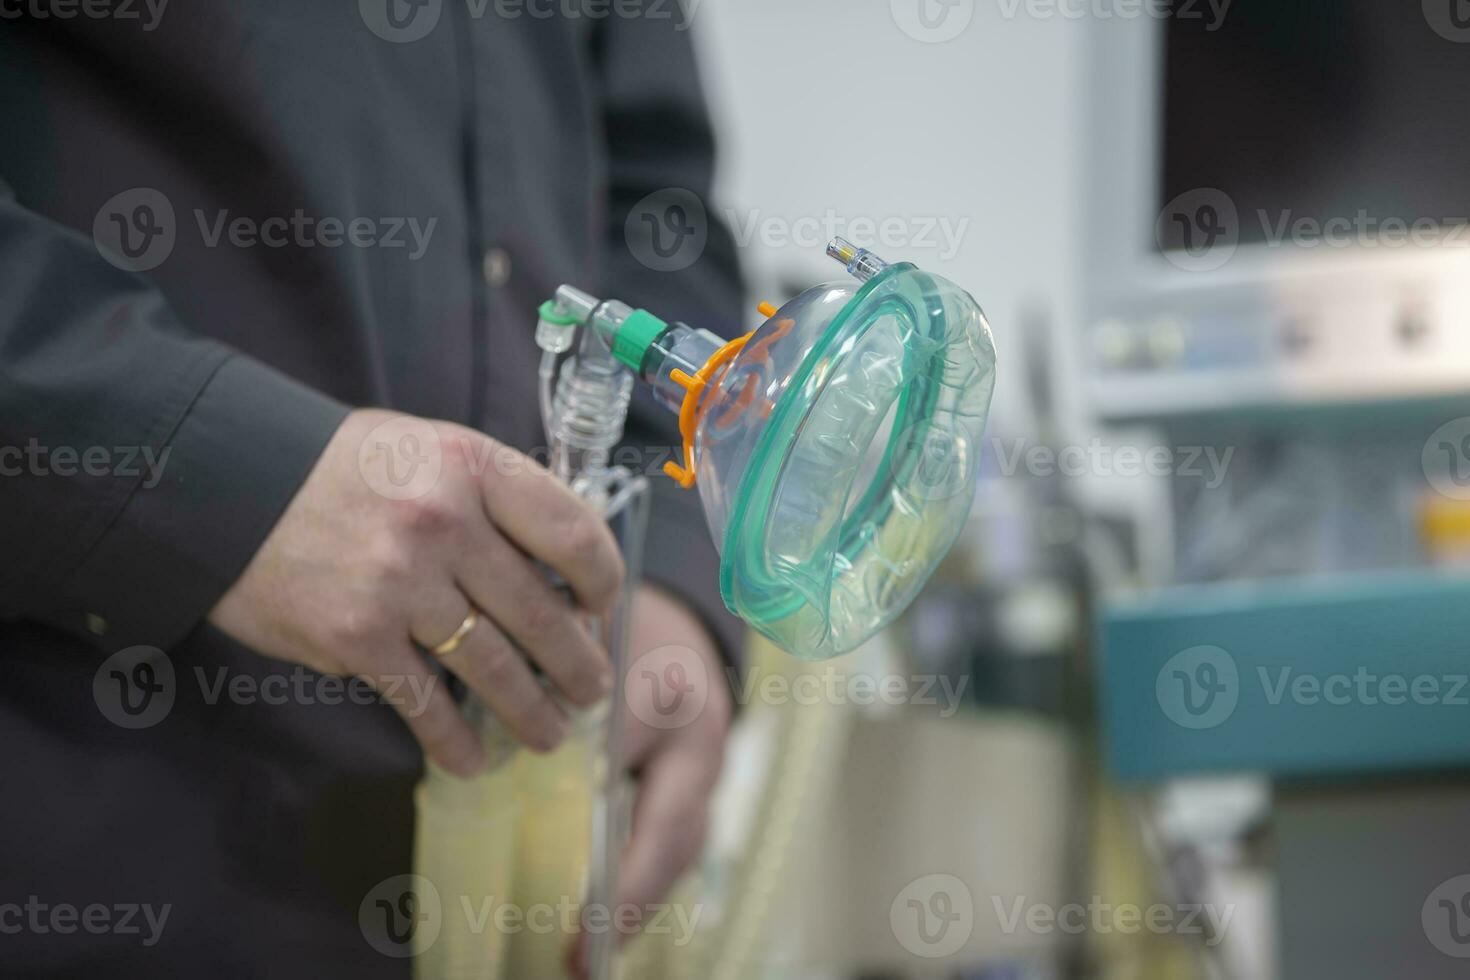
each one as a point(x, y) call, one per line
point(452, 644)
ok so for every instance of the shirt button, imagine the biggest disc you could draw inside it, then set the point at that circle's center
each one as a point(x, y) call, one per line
point(497, 267)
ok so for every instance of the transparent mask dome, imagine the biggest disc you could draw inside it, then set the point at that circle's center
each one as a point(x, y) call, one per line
point(837, 454)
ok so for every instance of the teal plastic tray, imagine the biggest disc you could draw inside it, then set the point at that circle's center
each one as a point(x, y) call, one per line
point(1304, 677)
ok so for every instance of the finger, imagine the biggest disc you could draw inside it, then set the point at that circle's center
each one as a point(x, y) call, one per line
point(420, 697)
point(547, 521)
point(669, 821)
point(495, 670)
point(542, 621)
point(436, 615)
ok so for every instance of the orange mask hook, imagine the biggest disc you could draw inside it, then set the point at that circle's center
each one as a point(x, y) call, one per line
point(690, 410)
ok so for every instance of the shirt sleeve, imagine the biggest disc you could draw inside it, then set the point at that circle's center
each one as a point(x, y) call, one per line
point(141, 466)
point(661, 162)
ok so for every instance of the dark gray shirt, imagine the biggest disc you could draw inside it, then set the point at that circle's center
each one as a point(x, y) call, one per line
point(316, 208)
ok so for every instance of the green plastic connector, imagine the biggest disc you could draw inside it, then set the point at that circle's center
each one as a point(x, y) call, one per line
point(635, 336)
point(547, 312)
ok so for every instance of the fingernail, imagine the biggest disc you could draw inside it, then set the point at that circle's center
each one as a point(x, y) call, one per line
point(558, 734)
point(468, 764)
point(605, 682)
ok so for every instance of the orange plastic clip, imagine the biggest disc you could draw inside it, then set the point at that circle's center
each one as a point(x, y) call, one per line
point(690, 411)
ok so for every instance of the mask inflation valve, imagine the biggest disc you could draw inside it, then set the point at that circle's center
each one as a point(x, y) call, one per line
point(858, 261)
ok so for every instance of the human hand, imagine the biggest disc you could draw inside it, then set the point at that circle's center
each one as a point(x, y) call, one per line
point(356, 572)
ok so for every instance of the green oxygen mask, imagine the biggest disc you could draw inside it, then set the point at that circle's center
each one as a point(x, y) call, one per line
point(835, 448)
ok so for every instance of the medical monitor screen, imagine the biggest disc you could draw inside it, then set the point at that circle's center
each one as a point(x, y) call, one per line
point(1348, 118)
